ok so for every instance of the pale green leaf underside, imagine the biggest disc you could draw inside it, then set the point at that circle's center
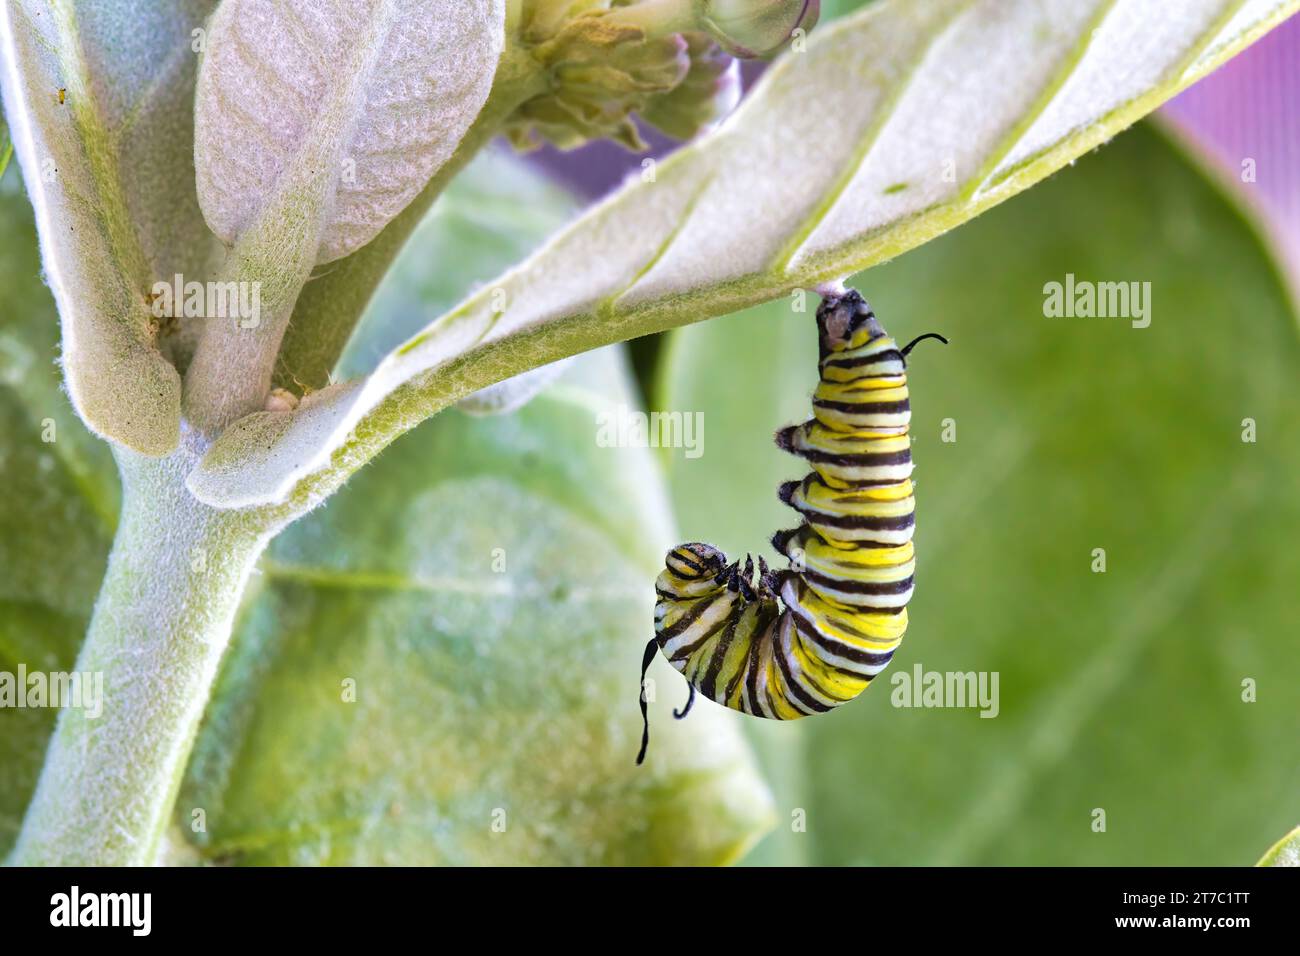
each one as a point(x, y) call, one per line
point(1285, 852)
point(367, 98)
point(112, 185)
point(895, 125)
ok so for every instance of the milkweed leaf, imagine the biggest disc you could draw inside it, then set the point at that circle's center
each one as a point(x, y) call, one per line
point(895, 125)
point(338, 112)
point(100, 112)
point(1285, 852)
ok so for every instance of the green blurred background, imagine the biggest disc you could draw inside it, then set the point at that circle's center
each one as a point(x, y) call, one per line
point(1123, 692)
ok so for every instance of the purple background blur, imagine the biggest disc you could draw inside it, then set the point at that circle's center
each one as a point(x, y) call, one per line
point(1248, 109)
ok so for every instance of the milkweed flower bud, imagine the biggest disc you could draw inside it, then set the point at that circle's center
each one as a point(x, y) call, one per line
point(753, 28)
point(599, 72)
point(668, 61)
point(709, 91)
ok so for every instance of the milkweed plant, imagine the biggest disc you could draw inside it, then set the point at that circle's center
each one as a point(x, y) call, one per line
point(220, 189)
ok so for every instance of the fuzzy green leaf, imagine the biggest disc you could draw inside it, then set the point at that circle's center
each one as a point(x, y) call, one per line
point(315, 127)
point(895, 125)
point(335, 115)
point(1285, 852)
point(100, 110)
point(1124, 691)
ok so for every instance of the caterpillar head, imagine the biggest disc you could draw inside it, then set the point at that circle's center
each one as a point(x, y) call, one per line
point(696, 561)
point(844, 321)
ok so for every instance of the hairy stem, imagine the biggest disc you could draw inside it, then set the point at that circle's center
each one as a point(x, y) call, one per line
point(230, 374)
point(179, 568)
point(160, 626)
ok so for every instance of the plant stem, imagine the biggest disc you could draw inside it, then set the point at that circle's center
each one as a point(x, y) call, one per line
point(160, 626)
point(174, 581)
point(230, 373)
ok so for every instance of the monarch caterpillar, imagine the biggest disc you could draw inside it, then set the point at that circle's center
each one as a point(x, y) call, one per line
point(804, 640)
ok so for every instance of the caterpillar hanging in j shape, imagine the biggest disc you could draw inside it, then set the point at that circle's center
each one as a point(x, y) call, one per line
point(809, 638)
